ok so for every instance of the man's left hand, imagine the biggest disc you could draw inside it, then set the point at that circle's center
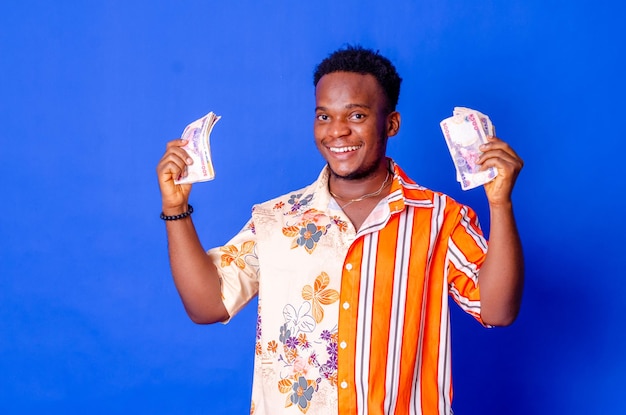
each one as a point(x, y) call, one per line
point(498, 154)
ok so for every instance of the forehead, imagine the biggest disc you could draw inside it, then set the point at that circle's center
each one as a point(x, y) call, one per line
point(346, 88)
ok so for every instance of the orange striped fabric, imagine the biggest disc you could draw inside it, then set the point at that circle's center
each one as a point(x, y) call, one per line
point(353, 322)
point(394, 334)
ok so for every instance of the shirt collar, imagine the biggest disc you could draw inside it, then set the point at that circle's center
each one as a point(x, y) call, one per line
point(403, 191)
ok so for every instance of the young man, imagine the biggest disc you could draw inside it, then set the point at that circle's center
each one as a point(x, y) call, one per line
point(353, 271)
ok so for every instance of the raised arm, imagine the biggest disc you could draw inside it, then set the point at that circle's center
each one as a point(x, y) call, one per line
point(501, 276)
point(195, 276)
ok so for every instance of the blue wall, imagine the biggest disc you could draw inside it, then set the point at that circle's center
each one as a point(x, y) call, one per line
point(90, 92)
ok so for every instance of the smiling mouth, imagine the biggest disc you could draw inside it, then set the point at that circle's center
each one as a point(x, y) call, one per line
point(344, 149)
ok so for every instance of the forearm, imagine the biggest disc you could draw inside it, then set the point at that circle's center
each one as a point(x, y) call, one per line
point(195, 275)
point(501, 276)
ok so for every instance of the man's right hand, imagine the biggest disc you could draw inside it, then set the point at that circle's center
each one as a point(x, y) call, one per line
point(173, 165)
point(195, 275)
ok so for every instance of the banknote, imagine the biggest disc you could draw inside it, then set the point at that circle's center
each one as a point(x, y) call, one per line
point(198, 147)
point(464, 133)
point(488, 127)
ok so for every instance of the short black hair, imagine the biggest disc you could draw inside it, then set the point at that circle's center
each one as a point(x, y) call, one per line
point(355, 58)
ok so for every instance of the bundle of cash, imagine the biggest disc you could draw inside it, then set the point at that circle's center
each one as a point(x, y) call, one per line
point(198, 133)
point(465, 132)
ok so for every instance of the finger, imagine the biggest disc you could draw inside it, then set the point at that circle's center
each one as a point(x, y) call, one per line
point(499, 155)
point(494, 143)
point(497, 148)
point(503, 166)
point(176, 147)
point(172, 157)
point(496, 154)
point(168, 172)
point(174, 163)
point(175, 153)
point(179, 142)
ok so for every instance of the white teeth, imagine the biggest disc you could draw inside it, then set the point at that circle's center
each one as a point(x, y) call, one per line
point(343, 149)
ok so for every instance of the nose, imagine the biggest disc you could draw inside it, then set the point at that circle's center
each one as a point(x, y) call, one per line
point(338, 128)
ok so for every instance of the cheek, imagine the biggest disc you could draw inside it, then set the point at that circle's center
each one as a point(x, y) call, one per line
point(370, 133)
point(318, 132)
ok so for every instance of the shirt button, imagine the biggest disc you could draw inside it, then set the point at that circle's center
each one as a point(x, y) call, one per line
point(343, 345)
point(344, 384)
point(346, 305)
point(348, 267)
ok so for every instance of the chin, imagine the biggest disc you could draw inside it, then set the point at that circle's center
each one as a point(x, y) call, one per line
point(350, 174)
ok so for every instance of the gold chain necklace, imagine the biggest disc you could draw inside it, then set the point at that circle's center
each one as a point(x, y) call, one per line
point(365, 196)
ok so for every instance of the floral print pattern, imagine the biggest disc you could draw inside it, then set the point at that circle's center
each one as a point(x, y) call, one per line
point(303, 369)
point(297, 201)
point(319, 295)
point(233, 254)
point(311, 226)
point(302, 393)
point(309, 236)
point(298, 350)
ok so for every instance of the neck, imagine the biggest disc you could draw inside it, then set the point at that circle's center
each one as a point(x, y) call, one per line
point(351, 190)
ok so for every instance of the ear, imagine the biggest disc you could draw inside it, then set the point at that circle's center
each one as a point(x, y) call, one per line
point(393, 123)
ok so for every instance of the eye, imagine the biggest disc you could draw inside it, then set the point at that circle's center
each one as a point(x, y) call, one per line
point(358, 116)
point(322, 117)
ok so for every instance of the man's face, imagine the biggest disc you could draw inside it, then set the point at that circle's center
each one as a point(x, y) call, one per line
point(352, 124)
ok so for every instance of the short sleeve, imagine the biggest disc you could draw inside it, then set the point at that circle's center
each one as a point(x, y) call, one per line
point(467, 249)
point(238, 267)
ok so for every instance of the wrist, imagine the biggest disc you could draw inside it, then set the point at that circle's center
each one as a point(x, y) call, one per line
point(501, 205)
point(174, 210)
point(176, 213)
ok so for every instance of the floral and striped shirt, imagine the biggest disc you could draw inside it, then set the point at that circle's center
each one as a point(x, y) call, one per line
point(354, 321)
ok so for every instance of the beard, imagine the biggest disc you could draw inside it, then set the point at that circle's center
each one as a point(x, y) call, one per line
point(361, 173)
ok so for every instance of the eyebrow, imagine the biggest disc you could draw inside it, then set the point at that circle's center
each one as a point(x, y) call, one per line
point(348, 107)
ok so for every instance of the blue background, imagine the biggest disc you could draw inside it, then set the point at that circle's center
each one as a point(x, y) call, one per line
point(90, 92)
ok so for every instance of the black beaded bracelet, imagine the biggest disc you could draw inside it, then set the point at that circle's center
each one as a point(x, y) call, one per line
point(176, 217)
